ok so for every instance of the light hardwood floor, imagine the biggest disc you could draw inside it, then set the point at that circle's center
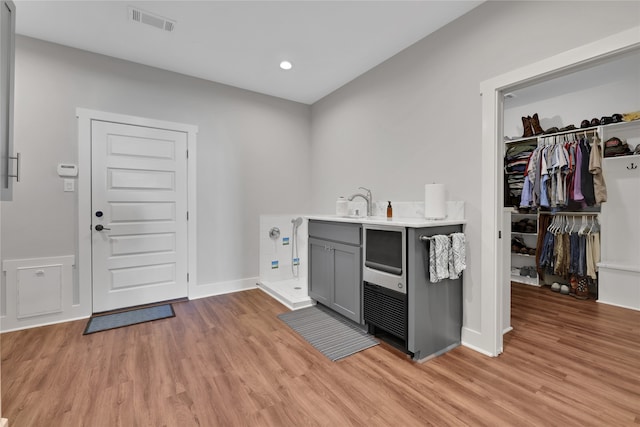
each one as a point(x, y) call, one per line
point(229, 361)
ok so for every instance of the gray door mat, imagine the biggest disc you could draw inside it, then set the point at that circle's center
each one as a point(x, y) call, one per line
point(127, 318)
point(330, 333)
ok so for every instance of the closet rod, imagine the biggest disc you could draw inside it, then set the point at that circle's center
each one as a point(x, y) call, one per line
point(571, 213)
point(593, 130)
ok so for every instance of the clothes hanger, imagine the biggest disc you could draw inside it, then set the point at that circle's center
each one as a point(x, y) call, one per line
point(582, 226)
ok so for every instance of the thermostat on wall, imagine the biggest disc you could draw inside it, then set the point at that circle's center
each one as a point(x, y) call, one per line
point(67, 170)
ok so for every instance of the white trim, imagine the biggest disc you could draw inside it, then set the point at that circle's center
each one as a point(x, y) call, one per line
point(475, 347)
point(53, 322)
point(629, 307)
point(619, 267)
point(84, 192)
point(220, 288)
point(491, 90)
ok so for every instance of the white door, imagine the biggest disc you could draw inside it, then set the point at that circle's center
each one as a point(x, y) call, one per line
point(139, 215)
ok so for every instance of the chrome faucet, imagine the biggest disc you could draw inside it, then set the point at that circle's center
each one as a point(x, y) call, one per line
point(367, 198)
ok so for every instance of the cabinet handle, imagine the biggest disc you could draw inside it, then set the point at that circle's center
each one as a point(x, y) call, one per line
point(632, 167)
point(17, 159)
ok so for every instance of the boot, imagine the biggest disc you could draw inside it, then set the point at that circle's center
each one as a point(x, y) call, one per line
point(535, 124)
point(526, 124)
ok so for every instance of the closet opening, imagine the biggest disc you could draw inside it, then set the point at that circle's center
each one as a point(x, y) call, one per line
point(559, 95)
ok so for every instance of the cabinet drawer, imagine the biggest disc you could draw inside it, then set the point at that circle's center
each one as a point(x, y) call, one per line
point(336, 231)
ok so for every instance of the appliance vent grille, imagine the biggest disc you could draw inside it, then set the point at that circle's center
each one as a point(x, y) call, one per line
point(143, 17)
point(386, 310)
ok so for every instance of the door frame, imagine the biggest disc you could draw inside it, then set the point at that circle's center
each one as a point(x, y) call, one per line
point(84, 262)
point(489, 339)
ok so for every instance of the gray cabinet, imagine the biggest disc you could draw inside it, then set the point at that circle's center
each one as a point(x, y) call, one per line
point(7, 53)
point(435, 309)
point(335, 267)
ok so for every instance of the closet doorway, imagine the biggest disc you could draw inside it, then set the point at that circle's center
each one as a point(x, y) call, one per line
point(495, 284)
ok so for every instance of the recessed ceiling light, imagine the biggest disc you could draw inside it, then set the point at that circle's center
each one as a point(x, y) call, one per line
point(286, 65)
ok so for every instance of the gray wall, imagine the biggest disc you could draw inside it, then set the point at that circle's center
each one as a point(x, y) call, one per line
point(253, 152)
point(417, 119)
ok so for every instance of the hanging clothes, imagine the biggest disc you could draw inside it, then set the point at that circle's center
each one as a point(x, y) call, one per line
point(569, 250)
point(564, 173)
point(595, 168)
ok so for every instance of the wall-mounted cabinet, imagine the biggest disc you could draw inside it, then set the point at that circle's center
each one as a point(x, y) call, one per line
point(8, 162)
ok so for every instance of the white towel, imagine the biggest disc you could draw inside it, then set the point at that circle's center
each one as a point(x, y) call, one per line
point(439, 258)
point(457, 257)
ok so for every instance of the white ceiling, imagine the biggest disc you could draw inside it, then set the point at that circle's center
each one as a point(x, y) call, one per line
point(241, 43)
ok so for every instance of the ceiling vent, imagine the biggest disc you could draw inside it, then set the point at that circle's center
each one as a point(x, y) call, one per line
point(143, 17)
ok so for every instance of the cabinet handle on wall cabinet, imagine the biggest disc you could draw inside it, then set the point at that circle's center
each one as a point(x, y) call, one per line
point(17, 159)
point(633, 166)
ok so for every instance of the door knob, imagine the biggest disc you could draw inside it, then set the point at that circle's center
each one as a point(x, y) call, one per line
point(100, 227)
point(98, 214)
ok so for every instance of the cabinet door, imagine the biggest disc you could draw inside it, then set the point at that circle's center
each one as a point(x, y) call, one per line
point(320, 271)
point(347, 293)
point(7, 42)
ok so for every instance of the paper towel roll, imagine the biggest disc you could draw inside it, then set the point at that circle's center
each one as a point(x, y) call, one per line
point(435, 205)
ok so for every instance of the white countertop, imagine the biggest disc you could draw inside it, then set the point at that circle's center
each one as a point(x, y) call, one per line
point(395, 221)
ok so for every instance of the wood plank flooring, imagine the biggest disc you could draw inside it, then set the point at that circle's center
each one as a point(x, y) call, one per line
point(229, 361)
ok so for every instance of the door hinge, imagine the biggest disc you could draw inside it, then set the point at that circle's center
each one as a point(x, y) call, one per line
point(187, 154)
point(187, 215)
point(187, 277)
point(499, 234)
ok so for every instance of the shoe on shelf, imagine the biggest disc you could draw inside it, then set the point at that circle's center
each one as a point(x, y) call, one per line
point(567, 128)
point(535, 125)
point(551, 130)
point(526, 124)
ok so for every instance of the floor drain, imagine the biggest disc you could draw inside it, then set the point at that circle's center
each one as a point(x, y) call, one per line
point(297, 288)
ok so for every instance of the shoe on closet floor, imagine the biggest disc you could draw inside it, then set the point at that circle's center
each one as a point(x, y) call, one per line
point(564, 289)
point(555, 287)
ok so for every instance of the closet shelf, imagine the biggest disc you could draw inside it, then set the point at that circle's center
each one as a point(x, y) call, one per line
point(525, 279)
point(634, 157)
point(523, 234)
point(611, 127)
point(527, 255)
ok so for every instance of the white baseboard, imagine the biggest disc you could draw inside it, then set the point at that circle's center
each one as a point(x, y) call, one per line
point(220, 288)
point(39, 324)
point(505, 330)
point(473, 340)
point(629, 307)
